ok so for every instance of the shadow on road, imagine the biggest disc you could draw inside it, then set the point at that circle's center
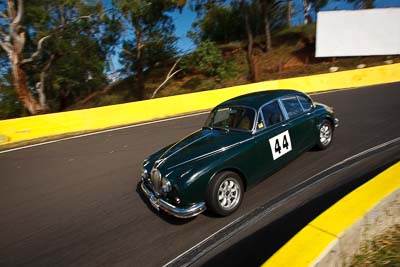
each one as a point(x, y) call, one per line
point(256, 248)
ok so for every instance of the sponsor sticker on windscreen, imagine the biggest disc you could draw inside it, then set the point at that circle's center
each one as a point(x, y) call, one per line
point(280, 144)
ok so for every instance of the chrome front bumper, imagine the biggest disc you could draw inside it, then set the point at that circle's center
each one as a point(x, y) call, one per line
point(159, 203)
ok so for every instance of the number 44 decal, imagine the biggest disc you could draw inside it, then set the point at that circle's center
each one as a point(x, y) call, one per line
point(280, 144)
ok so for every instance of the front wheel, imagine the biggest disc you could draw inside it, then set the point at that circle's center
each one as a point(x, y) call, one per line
point(225, 193)
point(325, 135)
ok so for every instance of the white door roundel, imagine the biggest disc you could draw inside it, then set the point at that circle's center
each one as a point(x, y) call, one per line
point(280, 144)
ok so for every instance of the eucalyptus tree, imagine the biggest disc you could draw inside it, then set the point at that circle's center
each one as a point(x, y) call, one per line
point(13, 40)
point(153, 36)
point(81, 48)
point(245, 6)
point(43, 41)
point(268, 9)
point(219, 23)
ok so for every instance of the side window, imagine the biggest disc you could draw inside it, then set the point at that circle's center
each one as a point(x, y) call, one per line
point(292, 106)
point(305, 103)
point(221, 117)
point(272, 113)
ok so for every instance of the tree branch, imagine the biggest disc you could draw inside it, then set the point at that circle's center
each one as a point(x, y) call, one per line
point(11, 10)
point(2, 14)
point(173, 67)
point(169, 76)
point(38, 50)
point(20, 12)
point(127, 51)
point(40, 85)
point(6, 46)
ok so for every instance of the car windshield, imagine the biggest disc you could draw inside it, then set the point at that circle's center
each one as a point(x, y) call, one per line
point(236, 118)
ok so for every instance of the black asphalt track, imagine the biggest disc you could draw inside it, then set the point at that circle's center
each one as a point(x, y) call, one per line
point(76, 203)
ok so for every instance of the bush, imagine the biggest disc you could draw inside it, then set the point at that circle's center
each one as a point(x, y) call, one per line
point(207, 58)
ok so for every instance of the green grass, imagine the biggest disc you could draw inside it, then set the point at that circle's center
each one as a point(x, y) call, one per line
point(384, 250)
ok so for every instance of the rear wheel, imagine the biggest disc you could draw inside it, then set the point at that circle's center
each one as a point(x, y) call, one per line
point(225, 193)
point(325, 135)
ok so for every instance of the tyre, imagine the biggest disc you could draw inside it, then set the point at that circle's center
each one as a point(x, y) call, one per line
point(325, 135)
point(225, 193)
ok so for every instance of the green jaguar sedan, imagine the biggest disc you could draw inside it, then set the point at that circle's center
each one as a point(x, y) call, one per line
point(243, 141)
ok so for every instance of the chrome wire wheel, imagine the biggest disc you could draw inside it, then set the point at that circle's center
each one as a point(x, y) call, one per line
point(229, 194)
point(325, 134)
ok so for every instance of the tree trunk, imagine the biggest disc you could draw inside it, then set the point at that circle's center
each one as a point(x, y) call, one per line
point(307, 12)
point(24, 94)
point(289, 13)
point(40, 85)
point(139, 61)
point(368, 4)
point(13, 44)
point(267, 31)
point(249, 56)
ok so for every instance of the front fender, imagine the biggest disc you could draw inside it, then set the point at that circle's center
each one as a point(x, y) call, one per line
point(193, 186)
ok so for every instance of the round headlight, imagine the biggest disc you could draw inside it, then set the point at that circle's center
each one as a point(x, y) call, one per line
point(165, 185)
point(155, 175)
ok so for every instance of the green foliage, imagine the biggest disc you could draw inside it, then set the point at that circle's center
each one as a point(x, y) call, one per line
point(80, 38)
point(10, 106)
point(318, 4)
point(152, 39)
point(160, 46)
point(207, 59)
point(224, 23)
point(78, 67)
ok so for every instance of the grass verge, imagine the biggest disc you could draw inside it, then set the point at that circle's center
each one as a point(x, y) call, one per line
point(384, 250)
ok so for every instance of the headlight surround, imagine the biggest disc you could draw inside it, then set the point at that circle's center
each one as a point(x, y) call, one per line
point(165, 185)
point(145, 173)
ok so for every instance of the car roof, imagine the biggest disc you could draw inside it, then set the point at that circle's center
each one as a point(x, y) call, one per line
point(256, 100)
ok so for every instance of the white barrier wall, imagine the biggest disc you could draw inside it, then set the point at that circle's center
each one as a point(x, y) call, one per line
point(358, 32)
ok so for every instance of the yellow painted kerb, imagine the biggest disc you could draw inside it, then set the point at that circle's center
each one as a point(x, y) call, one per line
point(22, 129)
point(307, 245)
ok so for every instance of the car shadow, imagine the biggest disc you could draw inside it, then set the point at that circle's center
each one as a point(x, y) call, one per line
point(256, 248)
point(161, 214)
